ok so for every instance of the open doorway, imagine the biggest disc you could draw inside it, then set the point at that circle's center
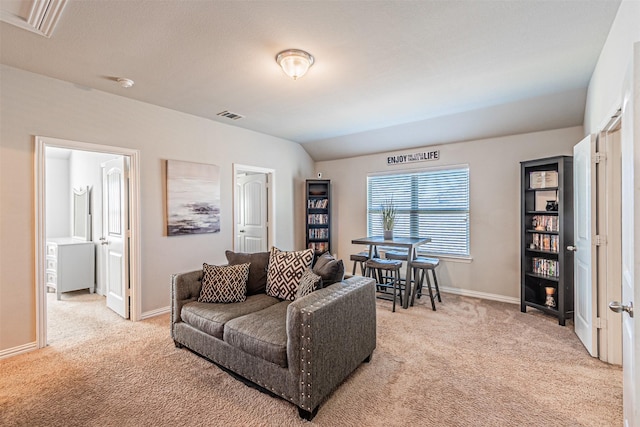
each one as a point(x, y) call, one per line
point(598, 241)
point(74, 262)
point(253, 208)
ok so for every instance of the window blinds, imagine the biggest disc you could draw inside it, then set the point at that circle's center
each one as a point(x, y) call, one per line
point(432, 203)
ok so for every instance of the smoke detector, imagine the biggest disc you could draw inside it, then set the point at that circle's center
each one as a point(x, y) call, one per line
point(125, 83)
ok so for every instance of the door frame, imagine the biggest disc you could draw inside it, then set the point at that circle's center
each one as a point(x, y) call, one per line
point(609, 259)
point(135, 278)
point(271, 206)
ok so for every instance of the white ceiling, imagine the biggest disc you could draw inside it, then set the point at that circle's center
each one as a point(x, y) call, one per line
point(388, 74)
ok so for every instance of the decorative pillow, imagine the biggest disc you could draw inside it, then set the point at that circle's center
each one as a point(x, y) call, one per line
point(309, 282)
point(224, 284)
point(257, 270)
point(330, 269)
point(285, 270)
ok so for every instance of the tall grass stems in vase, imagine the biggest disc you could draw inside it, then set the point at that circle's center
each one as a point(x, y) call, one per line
point(388, 218)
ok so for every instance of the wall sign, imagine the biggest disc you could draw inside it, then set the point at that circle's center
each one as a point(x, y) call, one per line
point(422, 156)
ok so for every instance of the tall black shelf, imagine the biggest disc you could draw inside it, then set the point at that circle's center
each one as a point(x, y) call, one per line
point(546, 231)
point(318, 215)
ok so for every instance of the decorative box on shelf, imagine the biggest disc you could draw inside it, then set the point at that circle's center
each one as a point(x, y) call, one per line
point(543, 179)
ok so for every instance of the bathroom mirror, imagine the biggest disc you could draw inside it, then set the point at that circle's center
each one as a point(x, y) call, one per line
point(81, 214)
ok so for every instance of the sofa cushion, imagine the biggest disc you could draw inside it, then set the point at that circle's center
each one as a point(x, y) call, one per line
point(285, 270)
point(211, 317)
point(257, 269)
point(309, 282)
point(224, 284)
point(262, 334)
point(330, 269)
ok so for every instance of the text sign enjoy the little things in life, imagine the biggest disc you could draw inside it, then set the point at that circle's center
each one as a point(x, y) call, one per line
point(422, 156)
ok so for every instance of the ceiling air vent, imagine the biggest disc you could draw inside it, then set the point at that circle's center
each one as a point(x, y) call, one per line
point(230, 115)
point(38, 16)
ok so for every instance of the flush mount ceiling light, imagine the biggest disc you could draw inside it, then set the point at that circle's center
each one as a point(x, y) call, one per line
point(294, 62)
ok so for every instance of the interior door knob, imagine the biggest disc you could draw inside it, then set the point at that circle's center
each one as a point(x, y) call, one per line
point(619, 307)
point(572, 248)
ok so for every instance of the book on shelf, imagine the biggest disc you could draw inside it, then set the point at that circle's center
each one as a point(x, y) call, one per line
point(319, 246)
point(545, 242)
point(318, 203)
point(545, 223)
point(318, 219)
point(545, 267)
point(319, 233)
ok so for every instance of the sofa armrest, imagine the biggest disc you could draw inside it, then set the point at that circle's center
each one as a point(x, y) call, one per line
point(330, 333)
point(185, 287)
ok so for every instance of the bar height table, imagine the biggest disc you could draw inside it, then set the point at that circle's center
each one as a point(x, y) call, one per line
point(409, 243)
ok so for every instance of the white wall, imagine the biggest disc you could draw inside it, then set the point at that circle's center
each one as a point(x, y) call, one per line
point(617, 74)
point(604, 96)
point(35, 105)
point(494, 171)
point(58, 199)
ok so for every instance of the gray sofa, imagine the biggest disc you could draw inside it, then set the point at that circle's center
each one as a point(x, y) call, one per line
point(299, 350)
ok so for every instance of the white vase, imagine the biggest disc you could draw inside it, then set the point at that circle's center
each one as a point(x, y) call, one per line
point(388, 234)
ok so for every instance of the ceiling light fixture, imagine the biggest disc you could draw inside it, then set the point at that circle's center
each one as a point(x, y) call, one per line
point(295, 62)
point(125, 83)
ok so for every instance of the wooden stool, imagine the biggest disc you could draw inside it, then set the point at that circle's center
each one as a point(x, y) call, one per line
point(397, 255)
point(426, 265)
point(358, 260)
point(389, 279)
point(400, 256)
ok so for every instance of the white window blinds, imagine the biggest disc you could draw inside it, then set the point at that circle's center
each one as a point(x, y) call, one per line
point(432, 203)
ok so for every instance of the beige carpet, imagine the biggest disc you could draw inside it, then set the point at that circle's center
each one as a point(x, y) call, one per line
point(471, 363)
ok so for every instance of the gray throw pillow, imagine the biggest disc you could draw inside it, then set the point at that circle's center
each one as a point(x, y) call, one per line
point(309, 282)
point(224, 284)
point(285, 270)
point(257, 270)
point(330, 269)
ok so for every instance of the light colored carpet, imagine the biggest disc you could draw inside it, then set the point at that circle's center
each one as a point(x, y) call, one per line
point(471, 363)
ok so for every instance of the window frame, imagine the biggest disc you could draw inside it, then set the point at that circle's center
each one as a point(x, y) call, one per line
point(415, 212)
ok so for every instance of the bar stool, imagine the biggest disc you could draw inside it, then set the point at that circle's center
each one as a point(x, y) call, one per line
point(400, 256)
point(388, 277)
point(358, 260)
point(426, 265)
point(397, 255)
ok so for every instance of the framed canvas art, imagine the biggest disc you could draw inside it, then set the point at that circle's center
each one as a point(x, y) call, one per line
point(193, 198)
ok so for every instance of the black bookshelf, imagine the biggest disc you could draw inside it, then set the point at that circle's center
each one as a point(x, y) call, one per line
point(546, 231)
point(318, 215)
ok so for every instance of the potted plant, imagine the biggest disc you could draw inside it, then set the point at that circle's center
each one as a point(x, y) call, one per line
point(388, 218)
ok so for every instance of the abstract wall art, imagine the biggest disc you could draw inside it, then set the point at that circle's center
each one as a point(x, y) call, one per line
point(193, 198)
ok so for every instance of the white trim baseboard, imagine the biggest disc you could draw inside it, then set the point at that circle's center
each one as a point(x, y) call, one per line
point(14, 351)
point(481, 295)
point(156, 312)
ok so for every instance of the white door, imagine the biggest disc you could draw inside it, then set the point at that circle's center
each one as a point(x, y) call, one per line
point(115, 229)
point(585, 289)
point(251, 224)
point(630, 144)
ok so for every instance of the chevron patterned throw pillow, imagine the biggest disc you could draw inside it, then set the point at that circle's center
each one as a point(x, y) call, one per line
point(309, 282)
point(285, 270)
point(224, 283)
